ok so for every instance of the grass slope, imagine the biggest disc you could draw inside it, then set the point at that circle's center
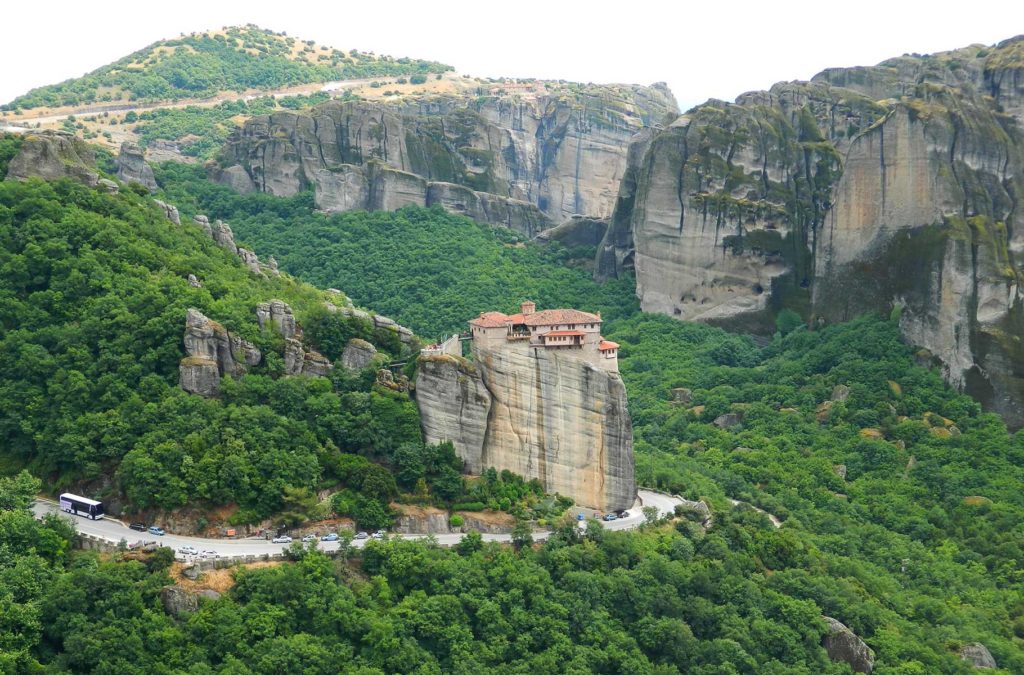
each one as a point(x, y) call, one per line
point(203, 64)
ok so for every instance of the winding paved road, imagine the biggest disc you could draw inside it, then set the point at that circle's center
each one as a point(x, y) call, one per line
point(113, 531)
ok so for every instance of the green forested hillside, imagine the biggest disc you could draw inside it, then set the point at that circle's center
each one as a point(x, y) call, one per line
point(94, 291)
point(917, 548)
point(201, 65)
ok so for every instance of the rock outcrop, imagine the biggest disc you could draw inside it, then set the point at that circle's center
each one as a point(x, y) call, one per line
point(842, 644)
point(577, 231)
point(978, 655)
point(212, 354)
point(538, 413)
point(358, 354)
point(277, 314)
point(221, 233)
point(454, 405)
point(171, 212)
point(225, 238)
point(862, 190)
point(522, 161)
point(132, 166)
point(51, 155)
point(297, 361)
point(178, 601)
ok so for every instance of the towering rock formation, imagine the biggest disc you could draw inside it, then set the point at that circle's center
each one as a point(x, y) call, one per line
point(522, 162)
point(132, 166)
point(864, 189)
point(51, 155)
point(212, 353)
point(542, 412)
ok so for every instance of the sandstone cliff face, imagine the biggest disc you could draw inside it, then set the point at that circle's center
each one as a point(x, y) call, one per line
point(864, 189)
point(132, 166)
point(540, 158)
point(51, 155)
point(537, 413)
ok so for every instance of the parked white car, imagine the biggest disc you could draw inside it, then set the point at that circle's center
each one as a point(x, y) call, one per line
point(209, 554)
point(188, 550)
point(283, 539)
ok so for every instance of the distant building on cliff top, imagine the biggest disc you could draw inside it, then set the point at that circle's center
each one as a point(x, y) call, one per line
point(541, 397)
point(578, 333)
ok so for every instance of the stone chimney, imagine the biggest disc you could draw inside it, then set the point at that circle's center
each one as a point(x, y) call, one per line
point(527, 307)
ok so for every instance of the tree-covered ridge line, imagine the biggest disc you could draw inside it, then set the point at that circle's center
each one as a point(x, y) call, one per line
point(428, 269)
point(203, 64)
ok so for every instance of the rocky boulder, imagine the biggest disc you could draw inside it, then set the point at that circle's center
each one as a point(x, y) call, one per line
point(842, 644)
point(250, 260)
point(358, 354)
point(297, 361)
point(212, 353)
point(728, 420)
point(51, 155)
point(577, 231)
point(203, 223)
point(171, 212)
point(108, 185)
point(178, 601)
point(278, 315)
point(225, 238)
point(682, 395)
point(978, 655)
point(199, 376)
point(132, 166)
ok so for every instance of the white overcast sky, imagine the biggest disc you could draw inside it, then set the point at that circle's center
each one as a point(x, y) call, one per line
point(710, 49)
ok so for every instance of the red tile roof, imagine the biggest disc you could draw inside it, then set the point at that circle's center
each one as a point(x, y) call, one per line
point(551, 317)
point(607, 344)
point(545, 317)
point(490, 320)
point(563, 333)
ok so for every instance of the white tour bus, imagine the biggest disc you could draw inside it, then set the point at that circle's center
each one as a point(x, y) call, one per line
point(81, 506)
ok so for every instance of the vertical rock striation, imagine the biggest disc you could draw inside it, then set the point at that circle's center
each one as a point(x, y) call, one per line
point(521, 161)
point(862, 190)
point(537, 413)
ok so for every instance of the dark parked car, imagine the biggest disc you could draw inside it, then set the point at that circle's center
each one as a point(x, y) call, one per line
point(138, 527)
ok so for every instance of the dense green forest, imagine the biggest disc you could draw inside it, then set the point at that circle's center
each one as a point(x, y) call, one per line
point(202, 65)
point(900, 499)
point(94, 291)
point(436, 269)
point(924, 532)
point(910, 565)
